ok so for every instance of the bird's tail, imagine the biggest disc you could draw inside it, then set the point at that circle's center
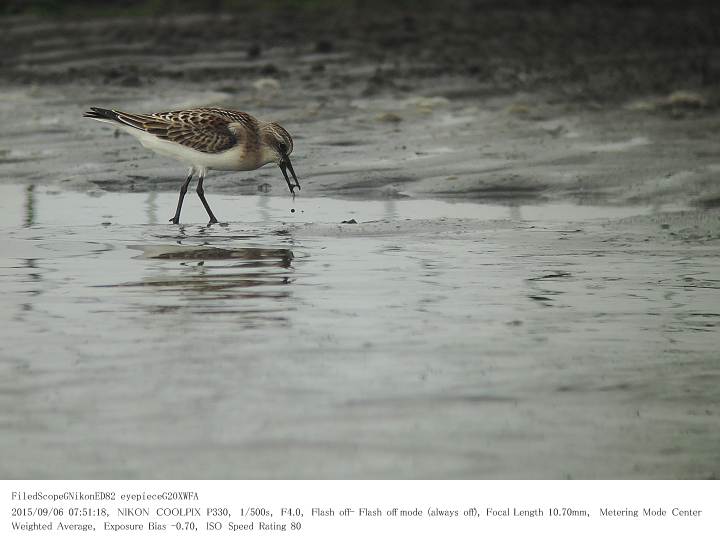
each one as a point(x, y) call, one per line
point(131, 120)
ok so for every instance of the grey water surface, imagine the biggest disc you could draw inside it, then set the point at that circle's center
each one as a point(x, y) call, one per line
point(431, 339)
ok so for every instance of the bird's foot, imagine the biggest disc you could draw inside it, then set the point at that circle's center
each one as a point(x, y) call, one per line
point(174, 220)
point(212, 221)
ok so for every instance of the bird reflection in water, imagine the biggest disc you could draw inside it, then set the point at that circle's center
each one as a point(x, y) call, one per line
point(217, 280)
point(29, 206)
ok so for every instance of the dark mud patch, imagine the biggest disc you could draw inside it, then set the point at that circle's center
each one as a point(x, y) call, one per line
point(501, 190)
point(15, 160)
point(374, 183)
point(282, 257)
point(137, 183)
point(589, 52)
point(239, 284)
point(344, 143)
point(709, 203)
point(438, 400)
point(551, 276)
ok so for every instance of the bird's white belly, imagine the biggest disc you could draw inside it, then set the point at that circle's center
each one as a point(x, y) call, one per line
point(232, 159)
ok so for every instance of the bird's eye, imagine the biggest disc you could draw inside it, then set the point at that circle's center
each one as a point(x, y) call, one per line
point(282, 148)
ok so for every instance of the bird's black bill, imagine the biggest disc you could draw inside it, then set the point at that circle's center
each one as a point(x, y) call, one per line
point(286, 165)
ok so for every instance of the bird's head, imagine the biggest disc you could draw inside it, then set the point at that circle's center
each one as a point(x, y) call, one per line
point(279, 144)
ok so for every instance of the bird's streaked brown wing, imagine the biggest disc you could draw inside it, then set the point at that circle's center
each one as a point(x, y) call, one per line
point(201, 129)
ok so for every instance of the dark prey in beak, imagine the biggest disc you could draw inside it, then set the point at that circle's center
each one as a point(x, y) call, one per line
point(285, 165)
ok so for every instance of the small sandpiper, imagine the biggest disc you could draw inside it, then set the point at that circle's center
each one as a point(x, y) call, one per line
point(207, 139)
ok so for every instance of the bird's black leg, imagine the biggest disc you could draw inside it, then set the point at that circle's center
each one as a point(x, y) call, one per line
point(201, 194)
point(183, 190)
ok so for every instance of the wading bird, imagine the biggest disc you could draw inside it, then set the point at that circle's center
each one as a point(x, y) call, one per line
point(207, 139)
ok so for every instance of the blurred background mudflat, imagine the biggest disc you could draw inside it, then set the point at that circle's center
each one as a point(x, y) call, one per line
point(586, 50)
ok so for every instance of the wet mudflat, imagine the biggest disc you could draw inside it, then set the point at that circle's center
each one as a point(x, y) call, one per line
point(530, 287)
point(464, 346)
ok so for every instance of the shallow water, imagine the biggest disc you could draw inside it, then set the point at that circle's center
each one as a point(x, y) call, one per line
point(23, 205)
point(476, 322)
point(432, 339)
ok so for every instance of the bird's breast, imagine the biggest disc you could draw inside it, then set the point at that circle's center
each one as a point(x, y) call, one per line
point(236, 158)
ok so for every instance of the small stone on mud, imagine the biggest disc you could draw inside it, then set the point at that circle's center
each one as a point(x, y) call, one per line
point(269, 70)
point(675, 102)
point(349, 222)
point(664, 226)
point(130, 81)
point(292, 210)
point(254, 51)
point(266, 84)
point(324, 46)
point(389, 117)
point(427, 104)
point(518, 109)
point(685, 99)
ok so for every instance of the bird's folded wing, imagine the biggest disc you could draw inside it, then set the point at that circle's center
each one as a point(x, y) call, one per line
point(201, 130)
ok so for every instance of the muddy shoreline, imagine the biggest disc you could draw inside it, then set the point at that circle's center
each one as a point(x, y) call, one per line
point(503, 262)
